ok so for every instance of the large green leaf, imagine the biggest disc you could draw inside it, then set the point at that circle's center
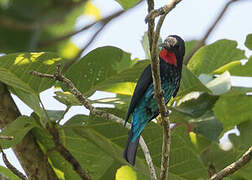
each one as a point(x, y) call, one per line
point(126, 4)
point(248, 41)
point(18, 129)
point(190, 82)
point(213, 56)
point(106, 68)
point(207, 125)
point(189, 46)
point(233, 110)
point(196, 107)
point(111, 138)
point(15, 68)
point(237, 69)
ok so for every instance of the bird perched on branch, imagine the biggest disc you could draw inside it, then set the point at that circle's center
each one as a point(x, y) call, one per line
point(143, 105)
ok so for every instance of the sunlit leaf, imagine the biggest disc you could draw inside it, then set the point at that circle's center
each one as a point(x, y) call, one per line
point(108, 69)
point(15, 68)
point(237, 69)
point(210, 57)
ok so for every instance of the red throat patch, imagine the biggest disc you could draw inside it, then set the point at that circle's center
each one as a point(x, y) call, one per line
point(169, 57)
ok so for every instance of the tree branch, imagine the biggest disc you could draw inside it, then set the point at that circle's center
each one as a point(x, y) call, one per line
point(85, 102)
point(209, 31)
point(246, 157)
point(155, 68)
point(151, 24)
point(67, 155)
point(64, 37)
point(76, 58)
point(161, 11)
point(11, 167)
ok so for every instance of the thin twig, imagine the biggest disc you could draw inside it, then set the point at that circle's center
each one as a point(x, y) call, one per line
point(67, 155)
point(148, 158)
point(85, 102)
point(246, 157)
point(64, 37)
point(6, 137)
point(161, 11)
point(151, 24)
point(209, 31)
point(76, 58)
point(155, 67)
point(11, 167)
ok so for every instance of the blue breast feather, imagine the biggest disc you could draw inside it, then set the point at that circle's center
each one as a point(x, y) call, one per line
point(147, 108)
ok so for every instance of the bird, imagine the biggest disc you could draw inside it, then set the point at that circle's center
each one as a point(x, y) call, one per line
point(143, 106)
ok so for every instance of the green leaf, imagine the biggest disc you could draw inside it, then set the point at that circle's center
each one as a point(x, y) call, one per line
point(208, 58)
point(5, 172)
point(15, 68)
point(96, 162)
point(108, 69)
point(190, 82)
point(111, 137)
point(196, 107)
point(146, 46)
point(233, 110)
point(248, 42)
point(237, 69)
point(66, 98)
point(189, 46)
point(30, 99)
point(18, 129)
point(126, 4)
point(220, 159)
point(58, 163)
point(55, 115)
point(243, 141)
point(208, 125)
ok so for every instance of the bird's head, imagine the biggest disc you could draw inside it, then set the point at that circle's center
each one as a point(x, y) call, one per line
point(173, 50)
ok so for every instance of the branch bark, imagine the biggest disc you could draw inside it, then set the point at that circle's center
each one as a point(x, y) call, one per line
point(246, 157)
point(11, 167)
point(64, 37)
point(155, 68)
point(34, 165)
point(85, 102)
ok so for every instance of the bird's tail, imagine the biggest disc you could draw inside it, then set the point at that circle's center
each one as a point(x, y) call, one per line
point(130, 150)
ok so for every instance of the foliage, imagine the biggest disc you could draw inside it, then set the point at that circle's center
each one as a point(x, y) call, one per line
point(206, 106)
